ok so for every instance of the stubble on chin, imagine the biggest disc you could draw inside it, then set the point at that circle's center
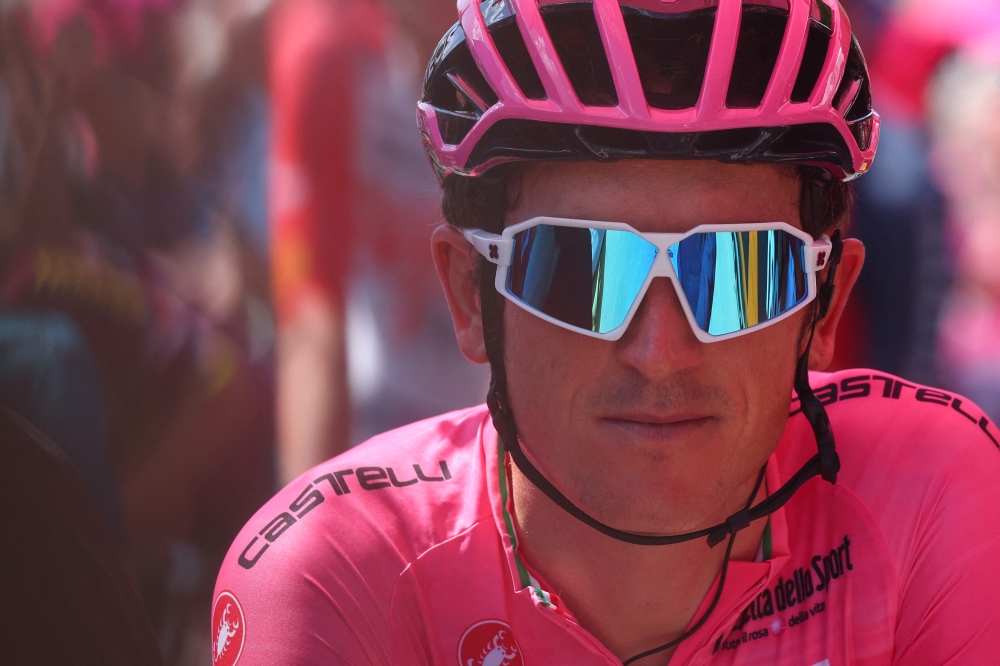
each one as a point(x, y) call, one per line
point(629, 487)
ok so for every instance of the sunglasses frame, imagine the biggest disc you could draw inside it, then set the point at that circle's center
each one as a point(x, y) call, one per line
point(499, 250)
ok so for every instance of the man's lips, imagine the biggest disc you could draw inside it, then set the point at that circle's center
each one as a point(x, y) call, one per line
point(658, 426)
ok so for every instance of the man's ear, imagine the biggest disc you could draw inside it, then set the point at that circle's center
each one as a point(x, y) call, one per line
point(456, 261)
point(851, 261)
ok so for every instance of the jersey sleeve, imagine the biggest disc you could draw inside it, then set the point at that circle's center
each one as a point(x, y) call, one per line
point(290, 617)
point(949, 610)
point(312, 577)
point(310, 580)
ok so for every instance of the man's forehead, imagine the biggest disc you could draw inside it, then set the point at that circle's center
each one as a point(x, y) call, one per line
point(657, 195)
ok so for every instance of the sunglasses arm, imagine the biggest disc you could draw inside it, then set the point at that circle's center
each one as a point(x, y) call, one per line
point(818, 254)
point(495, 248)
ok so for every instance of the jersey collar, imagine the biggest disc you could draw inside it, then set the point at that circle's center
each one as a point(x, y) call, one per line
point(498, 486)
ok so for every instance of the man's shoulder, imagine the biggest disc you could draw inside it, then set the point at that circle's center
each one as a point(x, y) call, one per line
point(919, 461)
point(886, 418)
point(373, 509)
point(918, 496)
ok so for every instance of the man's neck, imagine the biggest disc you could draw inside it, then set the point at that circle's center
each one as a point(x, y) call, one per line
point(631, 598)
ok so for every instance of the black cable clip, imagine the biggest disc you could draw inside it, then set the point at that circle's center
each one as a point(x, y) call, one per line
point(829, 459)
point(736, 522)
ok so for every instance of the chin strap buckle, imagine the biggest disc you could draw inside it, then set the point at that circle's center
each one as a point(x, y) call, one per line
point(736, 522)
point(829, 459)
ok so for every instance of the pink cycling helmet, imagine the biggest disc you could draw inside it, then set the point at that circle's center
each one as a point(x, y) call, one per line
point(751, 81)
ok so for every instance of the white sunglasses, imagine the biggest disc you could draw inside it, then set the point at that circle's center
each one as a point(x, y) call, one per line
point(590, 277)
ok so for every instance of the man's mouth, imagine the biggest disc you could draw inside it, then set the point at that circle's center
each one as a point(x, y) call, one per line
point(660, 427)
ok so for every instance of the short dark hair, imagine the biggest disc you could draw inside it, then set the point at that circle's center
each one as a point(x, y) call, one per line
point(483, 203)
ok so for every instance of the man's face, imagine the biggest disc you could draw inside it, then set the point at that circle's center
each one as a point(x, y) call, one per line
point(654, 432)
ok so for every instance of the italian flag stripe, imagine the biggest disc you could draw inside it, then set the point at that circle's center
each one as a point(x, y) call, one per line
point(522, 572)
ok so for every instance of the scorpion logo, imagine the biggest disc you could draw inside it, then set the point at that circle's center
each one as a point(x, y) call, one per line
point(226, 632)
point(495, 653)
point(489, 643)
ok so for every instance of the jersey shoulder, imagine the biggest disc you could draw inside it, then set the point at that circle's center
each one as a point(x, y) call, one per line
point(915, 513)
point(924, 462)
point(412, 487)
point(884, 416)
point(328, 549)
point(921, 466)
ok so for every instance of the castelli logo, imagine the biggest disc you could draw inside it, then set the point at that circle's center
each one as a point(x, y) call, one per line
point(489, 643)
point(778, 626)
point(228, 630)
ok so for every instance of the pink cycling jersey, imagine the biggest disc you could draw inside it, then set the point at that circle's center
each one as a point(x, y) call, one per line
point(403, 551)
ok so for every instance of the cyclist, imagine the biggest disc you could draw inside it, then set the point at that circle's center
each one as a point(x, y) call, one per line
point(657, 476)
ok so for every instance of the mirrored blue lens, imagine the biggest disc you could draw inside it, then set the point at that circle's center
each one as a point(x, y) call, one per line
point(737, 280)
point(588, 278)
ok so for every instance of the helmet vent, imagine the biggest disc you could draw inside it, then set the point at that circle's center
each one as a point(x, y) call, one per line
point(607, 143)
point(817, 46)
point(855, 82)
point(730, 142)
point(816, 142)
point(762, 30)
point(501, 23)
point(671, 53)
point(454, 126)
point(456, 88)
point(574, 32)
point(495, 11)
point(862, 131)
point(518, 139)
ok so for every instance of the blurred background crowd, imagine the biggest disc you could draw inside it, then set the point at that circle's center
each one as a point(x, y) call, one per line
point(214, 247)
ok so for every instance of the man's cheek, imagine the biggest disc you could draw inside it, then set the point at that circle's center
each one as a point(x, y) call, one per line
point(547, 359)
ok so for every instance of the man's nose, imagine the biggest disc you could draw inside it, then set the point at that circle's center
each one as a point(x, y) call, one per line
point(659, 340)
